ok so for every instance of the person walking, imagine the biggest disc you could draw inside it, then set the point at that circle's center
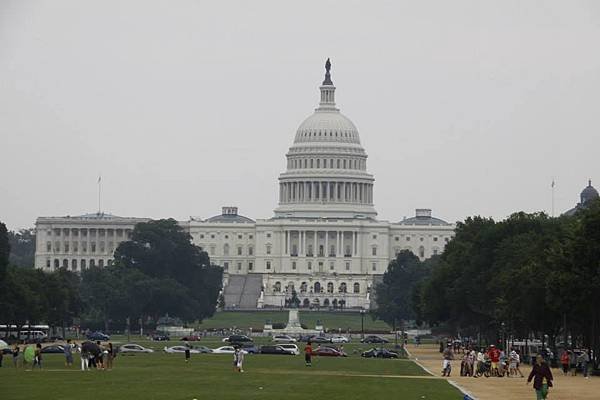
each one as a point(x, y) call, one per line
point(110, 356)
point(17, 355)
point(448, 356)
point(564, 361)
point(84, 355)
point(68, 352)
point(582, 360)
point(38, 356)
point(573, 363)
point(240, 360)
point(542, 378)
point(236, 353)
point(308, 354)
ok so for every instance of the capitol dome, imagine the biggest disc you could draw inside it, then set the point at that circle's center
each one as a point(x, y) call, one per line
point(589, 193)
point(326, 175)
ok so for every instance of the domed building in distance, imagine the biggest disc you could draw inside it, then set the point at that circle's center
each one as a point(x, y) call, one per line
point(588, 194)
point(324, 241)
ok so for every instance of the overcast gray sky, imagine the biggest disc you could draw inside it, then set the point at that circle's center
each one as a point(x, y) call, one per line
point(466, 107)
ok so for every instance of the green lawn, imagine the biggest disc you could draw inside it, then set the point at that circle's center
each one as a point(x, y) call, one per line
point(210, 376)
point(330, 320)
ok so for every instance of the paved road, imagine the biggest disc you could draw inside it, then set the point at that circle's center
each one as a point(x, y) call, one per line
point(565, 387)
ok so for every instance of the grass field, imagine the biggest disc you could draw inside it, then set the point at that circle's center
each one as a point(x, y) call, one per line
point(210, 376)
point(330, 320)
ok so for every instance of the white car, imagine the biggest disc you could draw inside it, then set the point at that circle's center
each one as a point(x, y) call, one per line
point(180, 349)
point(134, 348)
point(339, 339)
point(283, 339)
point(224, 350)
point(290, 347)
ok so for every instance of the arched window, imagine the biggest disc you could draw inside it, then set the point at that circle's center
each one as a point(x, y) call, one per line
point(311, 163)
point(250, 250)
point(318, 163)
point(101, 263)
point(343, 288)
point(277, 287)
point(56, 263)
point(357, 287)
point(268, 249)
point(82, 263)
point(74, 264)
point(92, 263)
point(330, 287)
point(65, 263)
point(317, 288)
point(338, 163)
point(306, 303)
point(226, 249)
point(326, 303)
point(421, 251)
point(239, 250)
point(303, 287)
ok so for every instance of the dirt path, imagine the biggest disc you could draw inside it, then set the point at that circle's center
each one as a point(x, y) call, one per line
point(565, 387)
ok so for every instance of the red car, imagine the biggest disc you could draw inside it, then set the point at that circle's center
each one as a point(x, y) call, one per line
point(329, 352)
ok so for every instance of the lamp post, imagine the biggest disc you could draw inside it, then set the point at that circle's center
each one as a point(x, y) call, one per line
point(362, 324)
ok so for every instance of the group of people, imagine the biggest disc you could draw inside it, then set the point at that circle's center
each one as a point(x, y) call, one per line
point(92, 355)
point(572, 360)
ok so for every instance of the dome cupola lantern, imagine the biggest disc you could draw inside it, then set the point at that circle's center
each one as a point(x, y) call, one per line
point(327, 90)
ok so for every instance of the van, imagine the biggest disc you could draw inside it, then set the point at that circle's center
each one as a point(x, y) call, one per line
point(32, 335)
point(290, 347)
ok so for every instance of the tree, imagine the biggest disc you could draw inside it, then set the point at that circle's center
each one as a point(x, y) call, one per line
point(22, 247)
point(395, 294)
point(181, 272)
point(4, 250)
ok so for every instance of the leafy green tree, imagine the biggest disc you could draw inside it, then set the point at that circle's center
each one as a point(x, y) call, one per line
point(22, 247)
point(395, 294)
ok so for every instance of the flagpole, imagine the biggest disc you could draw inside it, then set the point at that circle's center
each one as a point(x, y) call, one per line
point(99, 190)
point(553, 184)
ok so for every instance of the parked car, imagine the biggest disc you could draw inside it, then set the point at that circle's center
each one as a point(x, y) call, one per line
point(250, 348)
point(181, 349)
point(237, 339)
point(161, 338)
point(53, 349)
point(202, 349)
point(291, 347)
point(379, 353)
point(224, 350)
point(98, 336)
point(275, 349)
point(329, 352)
point(132, 348)
point(283, 339)
point(319, 339)
point(191, 338)
point(339, 339)
point(374, 339)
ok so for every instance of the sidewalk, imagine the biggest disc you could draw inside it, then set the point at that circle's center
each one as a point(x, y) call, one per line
point(565, 387)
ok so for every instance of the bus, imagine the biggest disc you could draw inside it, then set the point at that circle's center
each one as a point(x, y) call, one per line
point(27, 332)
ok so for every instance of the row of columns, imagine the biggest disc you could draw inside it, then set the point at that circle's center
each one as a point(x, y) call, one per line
point(339, 192)
point(338, 236)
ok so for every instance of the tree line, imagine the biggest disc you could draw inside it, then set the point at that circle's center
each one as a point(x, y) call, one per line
point(529, 275)
point(159, 271)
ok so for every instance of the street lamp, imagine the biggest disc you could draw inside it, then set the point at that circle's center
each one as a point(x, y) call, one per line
point(362, 324)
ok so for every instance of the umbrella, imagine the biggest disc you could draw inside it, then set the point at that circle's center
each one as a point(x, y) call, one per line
point(91, 348)
point(3, 344)
point(29, 354)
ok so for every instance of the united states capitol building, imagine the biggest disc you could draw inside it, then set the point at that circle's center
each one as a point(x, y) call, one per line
point(324, 240)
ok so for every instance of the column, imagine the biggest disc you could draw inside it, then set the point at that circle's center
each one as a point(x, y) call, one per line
point(315, 245)
point(358, 252)
point(353, 243)
point(326, 252)
point(325, 187)
point(340, 244)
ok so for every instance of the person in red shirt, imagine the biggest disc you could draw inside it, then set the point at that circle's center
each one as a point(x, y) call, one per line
point(494, 355)
point(308, 354)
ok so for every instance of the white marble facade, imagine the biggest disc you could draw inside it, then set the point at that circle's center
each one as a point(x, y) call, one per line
point(324, 240)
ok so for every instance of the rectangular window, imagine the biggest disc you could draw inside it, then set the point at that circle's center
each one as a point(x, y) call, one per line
point(268, 264)
point(48, 263)
point(268, 235)
point(48, 247)
point(75, 247)
point(102, 247)
point(374, 251)
point(66, 247)
point(309, 265)
point(201, 236)
point(374, 266)
point(226, 266)
point(347, 266)
point(93, 247)
point(250, 250)
point(331, 266)
point(239, 266)
point(250, 265)
point(268, 249)
point(239, 236)
point(239, 251)
point(250, 236)
point(293, 264)
point(84, 247)
point(212, 250)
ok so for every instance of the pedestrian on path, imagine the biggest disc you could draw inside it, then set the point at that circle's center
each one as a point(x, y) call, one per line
point(582, 360)
point(542, 378)
point(447, 363)
point(564, 361)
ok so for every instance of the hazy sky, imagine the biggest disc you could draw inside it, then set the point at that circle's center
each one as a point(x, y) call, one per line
point(465, 107)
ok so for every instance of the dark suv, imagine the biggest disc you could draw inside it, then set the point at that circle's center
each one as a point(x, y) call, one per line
point(274, 350)
point(237, 339)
